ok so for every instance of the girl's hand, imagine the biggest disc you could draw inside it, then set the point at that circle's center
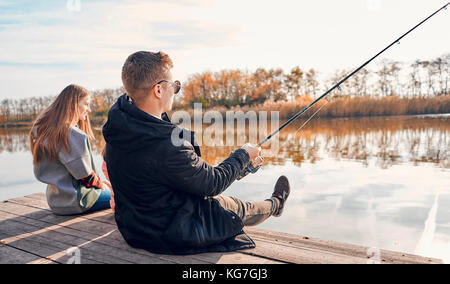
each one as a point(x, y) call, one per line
point(112, 204)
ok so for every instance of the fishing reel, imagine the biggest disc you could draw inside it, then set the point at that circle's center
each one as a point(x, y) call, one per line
point(250, 168)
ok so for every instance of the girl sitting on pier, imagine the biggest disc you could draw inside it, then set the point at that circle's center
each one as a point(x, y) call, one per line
point(62, 158)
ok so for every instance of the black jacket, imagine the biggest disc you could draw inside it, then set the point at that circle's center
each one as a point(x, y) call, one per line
point(162, 189)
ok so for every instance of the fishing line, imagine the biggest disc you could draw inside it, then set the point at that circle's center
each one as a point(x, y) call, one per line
point(252, 169)
point(306, 122)
point(348, 76)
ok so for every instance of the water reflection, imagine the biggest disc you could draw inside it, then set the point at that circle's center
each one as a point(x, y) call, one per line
point(341, 190)
point(14, 140)
point(390, 140)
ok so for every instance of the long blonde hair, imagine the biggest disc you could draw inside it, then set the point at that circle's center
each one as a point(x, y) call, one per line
point(51, 128)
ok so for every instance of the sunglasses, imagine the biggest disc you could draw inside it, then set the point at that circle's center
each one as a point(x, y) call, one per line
point(175, 84)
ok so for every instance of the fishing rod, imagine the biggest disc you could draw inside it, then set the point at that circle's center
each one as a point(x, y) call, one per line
point(251, 169)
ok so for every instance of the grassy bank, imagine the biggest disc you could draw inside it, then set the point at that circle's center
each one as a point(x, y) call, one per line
point(16, 124)
point(349, 107)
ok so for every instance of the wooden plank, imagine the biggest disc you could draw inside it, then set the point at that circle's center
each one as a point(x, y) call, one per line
point(112, 239)
point(26, 238)
point(10, 255)
point(292, 254)
point(235, 257)
point(75, 222)
point(39, 201)
point(385, 256)
point(266, 250)
point(271, 246)
point(38, 196)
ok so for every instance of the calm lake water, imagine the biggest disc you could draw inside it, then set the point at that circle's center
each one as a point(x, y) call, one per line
point(381, 182)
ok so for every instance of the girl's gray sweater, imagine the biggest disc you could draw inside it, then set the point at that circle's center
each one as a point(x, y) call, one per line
point(66, 195)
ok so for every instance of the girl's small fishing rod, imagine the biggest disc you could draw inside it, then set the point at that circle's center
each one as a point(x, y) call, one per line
point(345, 79)
point(251, 169)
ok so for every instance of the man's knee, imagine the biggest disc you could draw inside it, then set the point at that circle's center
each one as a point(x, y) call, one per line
point(230, 203)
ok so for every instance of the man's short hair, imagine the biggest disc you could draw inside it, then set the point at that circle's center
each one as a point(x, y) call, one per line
point(142, 70)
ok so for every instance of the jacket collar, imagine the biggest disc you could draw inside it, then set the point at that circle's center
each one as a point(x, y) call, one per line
point(165, 126)
point(127, 105)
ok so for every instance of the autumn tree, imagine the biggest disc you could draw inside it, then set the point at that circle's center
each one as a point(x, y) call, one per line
point(345, 88)
point(231, 88)
point(438, 66)
point(200, 88)
point(427, 65)
point(358, 83)
point(267, 85)
point(447, 73)
point(294, 83)
point(415, 80)
point(311, 82)
point(5, 110)
point(388, 76)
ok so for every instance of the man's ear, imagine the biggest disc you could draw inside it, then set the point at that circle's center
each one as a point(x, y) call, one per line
point(157, 91)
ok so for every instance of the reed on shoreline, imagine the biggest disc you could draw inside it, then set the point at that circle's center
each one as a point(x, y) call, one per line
point(347, 107)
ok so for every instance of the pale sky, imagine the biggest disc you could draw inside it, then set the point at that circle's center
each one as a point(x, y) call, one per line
point(46, 45)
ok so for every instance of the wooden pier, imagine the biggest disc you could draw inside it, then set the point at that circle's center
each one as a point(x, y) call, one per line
point(31, 233)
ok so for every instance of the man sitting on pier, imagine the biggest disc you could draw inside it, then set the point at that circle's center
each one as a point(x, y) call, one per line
point(167, 199)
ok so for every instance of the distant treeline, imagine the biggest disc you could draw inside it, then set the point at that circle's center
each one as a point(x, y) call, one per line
point(231, 88)
point(391, 89)
point(23, 111)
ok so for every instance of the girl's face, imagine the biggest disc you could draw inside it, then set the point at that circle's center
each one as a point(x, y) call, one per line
point(84, 107)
